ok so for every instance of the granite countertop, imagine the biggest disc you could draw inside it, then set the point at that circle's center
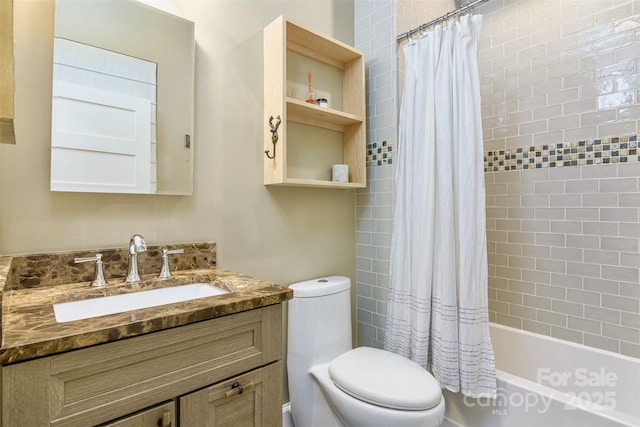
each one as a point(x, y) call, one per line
point(30, 330)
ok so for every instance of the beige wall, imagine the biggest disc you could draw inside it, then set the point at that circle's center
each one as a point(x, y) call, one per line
point(277, 234)
point(281, 234)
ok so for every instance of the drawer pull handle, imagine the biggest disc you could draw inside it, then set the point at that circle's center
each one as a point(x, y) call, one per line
point(237, 389)
point(165, 420)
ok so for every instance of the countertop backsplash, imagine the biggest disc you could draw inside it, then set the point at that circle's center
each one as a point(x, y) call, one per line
point(43, 270)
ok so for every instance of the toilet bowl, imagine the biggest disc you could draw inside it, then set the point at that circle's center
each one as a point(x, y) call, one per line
point(331, 384)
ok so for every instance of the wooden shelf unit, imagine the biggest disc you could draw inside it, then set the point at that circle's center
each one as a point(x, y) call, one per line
point(281, 37)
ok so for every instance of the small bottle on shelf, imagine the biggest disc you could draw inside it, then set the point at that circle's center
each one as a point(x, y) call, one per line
point(311, 96)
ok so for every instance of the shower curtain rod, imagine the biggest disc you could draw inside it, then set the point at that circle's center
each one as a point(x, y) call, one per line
point(444, 17)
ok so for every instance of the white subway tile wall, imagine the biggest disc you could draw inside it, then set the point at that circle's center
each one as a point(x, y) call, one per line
point(564, 253)
point(563, 243)
point(556, 71)
point(377, 24)
point(375, 37)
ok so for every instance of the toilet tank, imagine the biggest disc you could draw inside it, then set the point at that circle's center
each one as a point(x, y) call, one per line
point(319, 321)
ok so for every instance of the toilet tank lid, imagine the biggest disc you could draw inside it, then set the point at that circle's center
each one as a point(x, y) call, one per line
point(320, 286)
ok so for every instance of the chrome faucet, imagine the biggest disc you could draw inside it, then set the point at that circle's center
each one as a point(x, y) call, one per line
point(136, 245)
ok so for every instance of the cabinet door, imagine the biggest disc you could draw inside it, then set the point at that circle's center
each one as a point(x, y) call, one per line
point(162, 415)
point(259, 403)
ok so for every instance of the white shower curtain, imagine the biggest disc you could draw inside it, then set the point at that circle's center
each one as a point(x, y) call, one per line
point(437, 313)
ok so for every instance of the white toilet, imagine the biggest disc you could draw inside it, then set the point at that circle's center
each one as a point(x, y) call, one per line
point(331, 384)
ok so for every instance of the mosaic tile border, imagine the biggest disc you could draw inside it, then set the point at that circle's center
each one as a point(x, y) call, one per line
point(380, 153)
point(622, 149)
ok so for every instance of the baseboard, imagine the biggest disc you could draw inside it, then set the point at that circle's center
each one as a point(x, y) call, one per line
point(446, 422)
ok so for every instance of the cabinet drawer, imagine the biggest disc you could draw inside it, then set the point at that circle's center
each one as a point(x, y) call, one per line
point(159, 416)
point(98, 384)
point(224, 405)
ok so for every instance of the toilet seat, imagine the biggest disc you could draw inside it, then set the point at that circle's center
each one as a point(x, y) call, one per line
point(385, 379)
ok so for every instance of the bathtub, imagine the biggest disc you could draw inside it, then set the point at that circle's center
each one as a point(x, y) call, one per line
point(544, 381)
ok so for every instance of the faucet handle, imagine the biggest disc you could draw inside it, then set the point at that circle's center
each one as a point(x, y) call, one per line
point(98, 275)
point(165, 271)
point(172, 251)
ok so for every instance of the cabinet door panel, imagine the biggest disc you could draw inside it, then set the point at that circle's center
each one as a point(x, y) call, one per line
point(222, 405)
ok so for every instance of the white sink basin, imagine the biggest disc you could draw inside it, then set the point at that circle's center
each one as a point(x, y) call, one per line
point(101, 306)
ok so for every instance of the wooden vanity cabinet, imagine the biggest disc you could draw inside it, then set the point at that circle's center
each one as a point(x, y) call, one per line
point(197, 367)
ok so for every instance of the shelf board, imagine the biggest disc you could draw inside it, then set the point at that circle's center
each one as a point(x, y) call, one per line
point(305, 113)
point(320, 47)
point(302, 182)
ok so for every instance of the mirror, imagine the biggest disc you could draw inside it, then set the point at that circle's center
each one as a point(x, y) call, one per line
point(123, 97)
